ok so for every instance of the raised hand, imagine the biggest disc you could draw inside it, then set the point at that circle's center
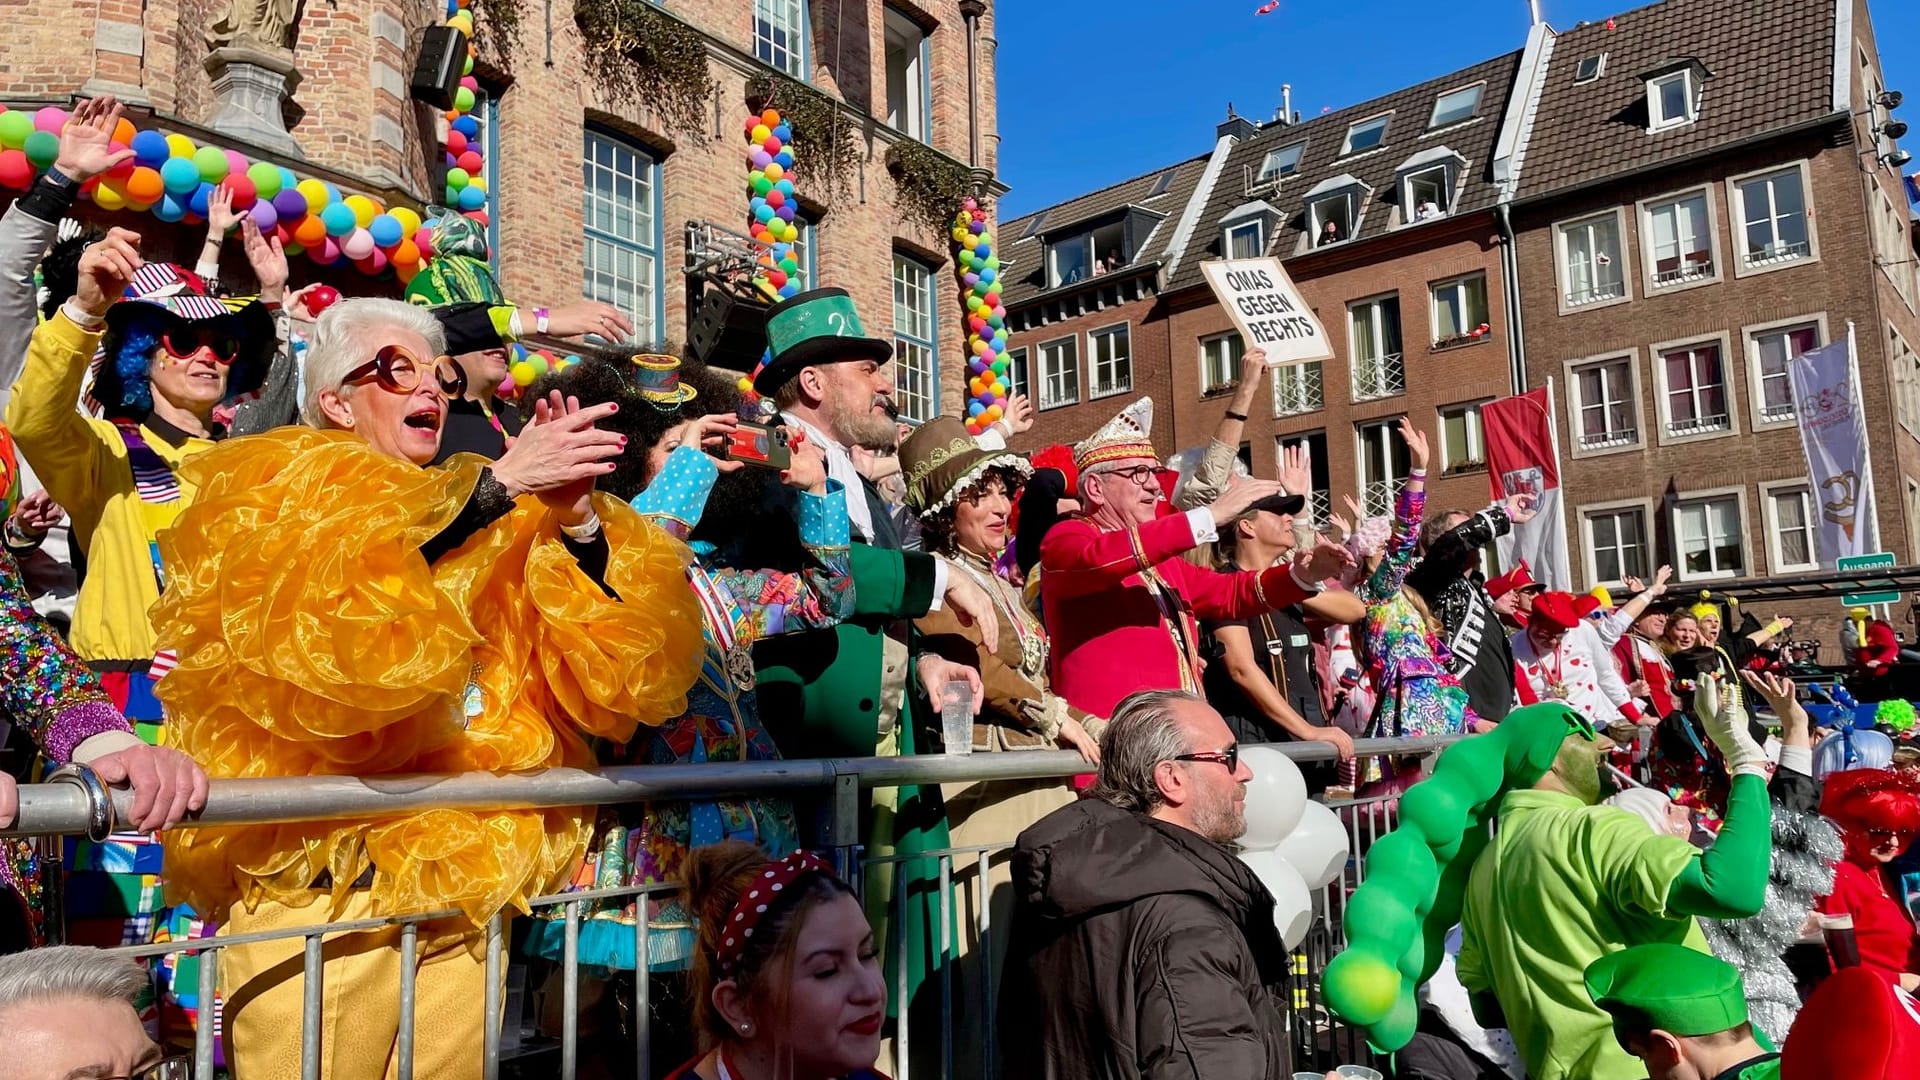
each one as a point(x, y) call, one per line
point(1324, 561)
point(589, 317)
point(86, 144)
point(106, 268)
point(560, 454)
point(807, 465)
point(1521, 508)
point(712, 430)
point(1241, 494)
point(1353, 507)
point(36, 514)
point(221, 216)
point(1660, 579)
point(265, 255)
point(1018, 414)
point(1416, 440)
point(1296, 472)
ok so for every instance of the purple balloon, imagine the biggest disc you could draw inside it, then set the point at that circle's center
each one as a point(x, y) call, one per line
point(970, 278)
point(264, 215)
point(290, 203)
point(977, 227)
point(988, 398)
point(974, 365)
point(785, 212)
point(761, 159)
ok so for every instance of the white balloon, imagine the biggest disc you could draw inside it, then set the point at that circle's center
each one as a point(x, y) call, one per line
point(1275, 797)
point(1317, 847)
point(1292, 903)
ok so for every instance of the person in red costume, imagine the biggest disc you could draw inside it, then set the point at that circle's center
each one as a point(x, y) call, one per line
point(1857, 1026)
point(1881, 649)
point(1878, 811)
point(1121, 605)
point(1513, 594)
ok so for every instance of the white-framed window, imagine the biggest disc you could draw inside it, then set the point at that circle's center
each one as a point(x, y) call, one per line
point(1080, 256)
point(1791, 525)
point(1427, 193)
point(1110, 352)
point(1018, 377)
point(1589, 68)
point(1678, 239)
point(1710, 532)
point(1605, 404)
point(621, 259)
point(1373, 341)
point(1771, 219)
point(1616, 540)
point(1246, 239)
point(780, 35)
point(1384, 464)
point(1461, 445)
point(1695, 390)
point(1670, 100)
point(1459, 309)
point(1905, 363)
point(907, 76)
point(1365, 134)
point(1591, 265)
point(1281, 162)
point(916, 360)
point(1455, 105)
point(1220, 357)
point(1333, 219)
point(1770, 350)
point(1059, 372)
point(1299, 388)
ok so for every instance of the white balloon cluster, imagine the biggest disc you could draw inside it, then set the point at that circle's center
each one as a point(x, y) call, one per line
point(1293, 844)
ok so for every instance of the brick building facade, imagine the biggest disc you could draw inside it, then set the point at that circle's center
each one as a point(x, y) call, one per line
point(558, 149)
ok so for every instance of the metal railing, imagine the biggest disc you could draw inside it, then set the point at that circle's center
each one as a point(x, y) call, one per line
point(1378, 376)
point(1298, 388)
point(69, 807)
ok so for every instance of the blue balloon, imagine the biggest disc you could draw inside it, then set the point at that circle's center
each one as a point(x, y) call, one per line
point(986, 277)
point(338, 218)
point(784, 133)
point(785, 158)
point(169, 208)
point(150, 149)
point(197, 202)
point(385, 229)
point(762, 212)
point(983, 251)
point(468, 126)
point(974, 408)
point(288, 181)
point(784, 185)
point(180, 175)
point(789, 289)
point(472, 198)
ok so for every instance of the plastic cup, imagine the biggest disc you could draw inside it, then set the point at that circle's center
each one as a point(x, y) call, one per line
point(1358, 1072)
point(956, 717)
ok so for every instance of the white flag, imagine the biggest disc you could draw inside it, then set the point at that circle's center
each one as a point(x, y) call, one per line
point(1833, 432)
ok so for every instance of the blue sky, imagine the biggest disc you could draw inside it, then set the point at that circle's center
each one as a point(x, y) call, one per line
point(1094, 91)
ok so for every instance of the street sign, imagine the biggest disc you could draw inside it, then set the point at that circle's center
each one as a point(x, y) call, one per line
point(1879, 560)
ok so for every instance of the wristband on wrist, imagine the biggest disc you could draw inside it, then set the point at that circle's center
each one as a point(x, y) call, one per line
point(18, 540)
point(584, 531)
point(85, 319)
point(60, 180)
point(1416, 474)
point(540, 320)
point(1240, 416)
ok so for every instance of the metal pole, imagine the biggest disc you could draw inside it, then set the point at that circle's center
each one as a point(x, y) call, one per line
point(490, 1038)
point(570, 996)
point(409, 984)
point(642, 991)
point(311, 1014)
point(210, 1007)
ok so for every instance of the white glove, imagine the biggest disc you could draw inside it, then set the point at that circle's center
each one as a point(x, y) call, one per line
point(1718, 708)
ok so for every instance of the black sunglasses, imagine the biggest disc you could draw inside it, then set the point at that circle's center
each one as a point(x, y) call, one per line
point(1230, 757)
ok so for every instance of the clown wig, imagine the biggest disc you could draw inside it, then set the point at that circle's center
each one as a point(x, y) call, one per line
point(1861, 799)
point(130, 350)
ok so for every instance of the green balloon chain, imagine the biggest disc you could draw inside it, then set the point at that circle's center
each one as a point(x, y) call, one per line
point(1397, 921)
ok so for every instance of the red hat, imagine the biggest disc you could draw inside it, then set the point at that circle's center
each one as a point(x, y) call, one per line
point(1520, 577)
point(1872, 799)
point(1858, 1025)
point(1560, 610)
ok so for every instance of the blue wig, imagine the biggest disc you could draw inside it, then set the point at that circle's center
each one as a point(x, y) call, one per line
point(133, 356)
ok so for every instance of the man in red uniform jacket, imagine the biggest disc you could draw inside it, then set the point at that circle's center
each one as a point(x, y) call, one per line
point(1120, 604)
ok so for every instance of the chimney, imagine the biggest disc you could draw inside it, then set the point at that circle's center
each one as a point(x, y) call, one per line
point(1235, 125)
point(1286, 103)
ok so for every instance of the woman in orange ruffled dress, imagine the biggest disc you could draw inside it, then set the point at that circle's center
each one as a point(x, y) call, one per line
point(340, 610)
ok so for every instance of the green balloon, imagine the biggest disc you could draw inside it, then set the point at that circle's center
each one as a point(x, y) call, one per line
point(463, 100)
point(1401, 855)
point(761, 185)
point(1360, 986)
point(15, 126)
point(212, 163)
point(1385, 915)
point(266, 179)
point(1396, 1030)
point(42, 147)
point(457, 178)
point(1433, 812)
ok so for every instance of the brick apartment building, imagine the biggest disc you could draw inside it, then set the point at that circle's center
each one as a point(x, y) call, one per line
point(590, 194)
point(1698, 193)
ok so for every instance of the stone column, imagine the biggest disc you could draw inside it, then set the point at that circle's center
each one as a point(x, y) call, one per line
point(249, 85)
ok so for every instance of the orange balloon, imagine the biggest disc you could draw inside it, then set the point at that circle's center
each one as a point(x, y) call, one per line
point(145, 185)
point(310, 231)
point(123, 132)
point(406, 253)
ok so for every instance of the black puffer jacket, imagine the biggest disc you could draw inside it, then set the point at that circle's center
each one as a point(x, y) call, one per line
point(1139, 950)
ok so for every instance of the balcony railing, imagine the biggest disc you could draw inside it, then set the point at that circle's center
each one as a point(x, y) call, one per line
point(1695, 266)
point(1299, 388)
point(1320, 505)
point(1596, 292)
point(1378, 498)
point(1774, 411)
point(1778, 252)
point(1697, 425)
point(1607, 440)
point(1379, 376)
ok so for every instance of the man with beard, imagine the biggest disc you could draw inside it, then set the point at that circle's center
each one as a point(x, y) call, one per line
point(1566, 880)
point(1142, 947)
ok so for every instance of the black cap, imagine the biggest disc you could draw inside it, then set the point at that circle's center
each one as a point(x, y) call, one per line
point(1280, 504)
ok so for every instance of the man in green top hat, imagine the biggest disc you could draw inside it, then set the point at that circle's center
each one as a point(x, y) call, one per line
point(1682, 1012)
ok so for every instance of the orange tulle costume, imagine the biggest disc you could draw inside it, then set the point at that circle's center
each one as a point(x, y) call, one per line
point(314, 639)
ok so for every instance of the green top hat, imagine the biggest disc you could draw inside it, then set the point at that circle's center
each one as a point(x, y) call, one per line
point(815, 327)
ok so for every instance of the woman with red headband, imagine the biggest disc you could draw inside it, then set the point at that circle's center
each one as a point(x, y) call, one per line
point(787, 983)
point(1878, 811)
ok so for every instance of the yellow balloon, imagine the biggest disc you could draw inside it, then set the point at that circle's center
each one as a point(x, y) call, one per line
point(760, 133)
point(477, 183)
point(179, 146)
point(409, 221)
point(316, 194)
point(107, 197)
point(970, 242)
point(364, 209)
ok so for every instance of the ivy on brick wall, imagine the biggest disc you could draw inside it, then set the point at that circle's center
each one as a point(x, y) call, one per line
point(496, 25)
point(929, 186)
point(826, 136)
point(640, 55)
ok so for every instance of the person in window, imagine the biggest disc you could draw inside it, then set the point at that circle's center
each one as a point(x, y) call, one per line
point(1426, 210)
point(1330, 233)
point(342, 610)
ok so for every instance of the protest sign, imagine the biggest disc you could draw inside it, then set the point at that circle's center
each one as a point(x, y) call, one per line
point(1267, 310)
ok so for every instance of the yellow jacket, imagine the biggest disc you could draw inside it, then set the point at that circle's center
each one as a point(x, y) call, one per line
point(83, 464)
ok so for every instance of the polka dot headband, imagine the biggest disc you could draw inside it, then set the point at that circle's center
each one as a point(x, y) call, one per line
point(760, 894)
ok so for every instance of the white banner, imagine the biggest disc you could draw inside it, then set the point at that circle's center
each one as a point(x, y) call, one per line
point(1267, 310)
point(1833, 433)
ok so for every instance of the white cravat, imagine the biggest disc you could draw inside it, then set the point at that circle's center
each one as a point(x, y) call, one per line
point(840, 467)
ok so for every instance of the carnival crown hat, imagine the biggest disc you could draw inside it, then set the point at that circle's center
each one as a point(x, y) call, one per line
point(820, 326)
point(656, 376)
point(1561, 610)
point(941, 460)
point(1669, 987)
point(177, 294)
point(1126, 436)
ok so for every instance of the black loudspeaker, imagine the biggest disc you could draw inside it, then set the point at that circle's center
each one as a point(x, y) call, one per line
point(728, 331)
point(436, 73)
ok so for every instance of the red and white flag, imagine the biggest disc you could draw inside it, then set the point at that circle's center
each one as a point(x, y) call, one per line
point(1523, 456)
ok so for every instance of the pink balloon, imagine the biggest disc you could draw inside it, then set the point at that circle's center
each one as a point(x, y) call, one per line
point(357, 244)
point(237, 163)
point(324, 252)
point(423, 239)
point(50, 119)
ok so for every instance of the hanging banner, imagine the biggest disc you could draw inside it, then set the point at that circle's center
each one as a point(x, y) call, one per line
point(1833, 434)
point(1267, 310)
point(1523, 457)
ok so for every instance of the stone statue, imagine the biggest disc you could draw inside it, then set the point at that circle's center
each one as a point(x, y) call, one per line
point(257, 24)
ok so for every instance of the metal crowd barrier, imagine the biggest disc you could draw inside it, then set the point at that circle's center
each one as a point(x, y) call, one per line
point(67, 808)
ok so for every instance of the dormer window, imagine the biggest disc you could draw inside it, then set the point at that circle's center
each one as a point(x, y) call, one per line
point(1427, 182)
point(1077, 252)
point(1366, 134)
point(1245, 240)
point(1245, 229)
point(1673, 94)
point(1281, 163)
point(1334, 207)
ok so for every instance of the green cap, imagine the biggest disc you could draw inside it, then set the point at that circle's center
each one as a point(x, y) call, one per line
point(1669, 987)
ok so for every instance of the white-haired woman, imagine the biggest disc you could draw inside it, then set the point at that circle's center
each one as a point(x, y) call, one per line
point(340, 609)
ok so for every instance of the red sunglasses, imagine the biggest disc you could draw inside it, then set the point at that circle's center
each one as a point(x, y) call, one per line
point(183, 342)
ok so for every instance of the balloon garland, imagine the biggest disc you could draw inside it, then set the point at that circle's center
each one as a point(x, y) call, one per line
point(772, 207)
point(1415, 887)
point(986, 320)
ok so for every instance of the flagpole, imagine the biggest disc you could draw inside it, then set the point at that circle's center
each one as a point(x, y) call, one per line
point(1866, 450)
point(1560, 476)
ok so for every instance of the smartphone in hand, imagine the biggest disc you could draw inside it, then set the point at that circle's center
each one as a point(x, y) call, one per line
point(759, 445)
